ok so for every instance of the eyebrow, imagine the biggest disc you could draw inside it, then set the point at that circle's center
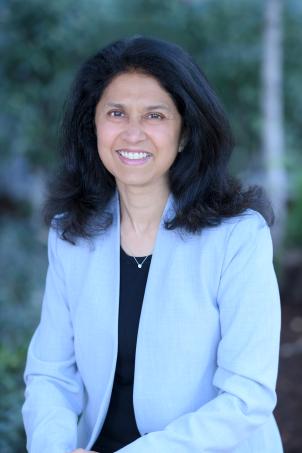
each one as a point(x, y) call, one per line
point(149, 107)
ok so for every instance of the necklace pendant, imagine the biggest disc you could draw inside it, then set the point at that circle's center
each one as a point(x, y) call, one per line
point(139, 265)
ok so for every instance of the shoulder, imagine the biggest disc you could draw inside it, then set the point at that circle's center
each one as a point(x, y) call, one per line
point(248, 238)
point(63, 251)
point(247, 224)
point(86, 232)
point(247, 219)
point(243, 236)
point(241, 226)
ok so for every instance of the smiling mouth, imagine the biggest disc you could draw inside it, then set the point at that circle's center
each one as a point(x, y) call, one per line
point(134, 155)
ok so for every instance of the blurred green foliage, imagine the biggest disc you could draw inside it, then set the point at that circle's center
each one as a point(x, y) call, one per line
point(42, 44)
point(23, 267)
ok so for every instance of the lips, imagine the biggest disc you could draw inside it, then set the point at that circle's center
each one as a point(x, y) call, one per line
point(133, 157)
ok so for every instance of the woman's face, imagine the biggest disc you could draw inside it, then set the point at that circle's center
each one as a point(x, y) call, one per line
point(138, 130)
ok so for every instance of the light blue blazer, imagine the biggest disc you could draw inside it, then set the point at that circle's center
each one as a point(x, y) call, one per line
point(207, 346)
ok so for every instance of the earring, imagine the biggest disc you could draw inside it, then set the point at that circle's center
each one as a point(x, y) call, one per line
point(180, 147)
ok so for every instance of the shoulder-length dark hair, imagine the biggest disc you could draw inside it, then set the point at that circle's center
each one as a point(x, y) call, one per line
point(203, 190)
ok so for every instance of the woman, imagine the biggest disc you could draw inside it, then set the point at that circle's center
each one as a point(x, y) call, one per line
point(160, 322)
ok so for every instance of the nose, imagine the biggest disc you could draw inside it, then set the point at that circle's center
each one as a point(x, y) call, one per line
point(133, 132)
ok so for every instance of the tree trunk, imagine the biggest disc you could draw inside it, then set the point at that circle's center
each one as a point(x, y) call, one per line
point(272, 108)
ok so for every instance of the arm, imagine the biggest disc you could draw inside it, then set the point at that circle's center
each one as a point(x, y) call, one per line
point(54, 391)
point(247, 356)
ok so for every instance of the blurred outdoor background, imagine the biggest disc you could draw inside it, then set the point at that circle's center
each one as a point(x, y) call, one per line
point(251, 51)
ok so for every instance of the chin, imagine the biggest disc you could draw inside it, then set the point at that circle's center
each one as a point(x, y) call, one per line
point(134, 182)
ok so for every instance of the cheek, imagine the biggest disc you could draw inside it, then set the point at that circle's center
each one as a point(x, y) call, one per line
point(102, 135)
point(172, 134)
point(165, 137)
point(170, 142)
point(103, 148)
point(105, 139)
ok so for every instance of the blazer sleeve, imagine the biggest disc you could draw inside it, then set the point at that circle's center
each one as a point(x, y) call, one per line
point(54, 391)
point(247, 355)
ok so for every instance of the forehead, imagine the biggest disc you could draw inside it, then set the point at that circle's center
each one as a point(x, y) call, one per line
point(135, 86)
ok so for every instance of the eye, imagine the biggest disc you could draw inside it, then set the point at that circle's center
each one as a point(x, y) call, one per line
point(115, 114)
point(155, 116)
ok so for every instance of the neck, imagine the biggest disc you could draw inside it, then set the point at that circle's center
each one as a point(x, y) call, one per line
point(142, 208)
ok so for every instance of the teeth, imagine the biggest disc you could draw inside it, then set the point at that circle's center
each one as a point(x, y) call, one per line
point(133, 156)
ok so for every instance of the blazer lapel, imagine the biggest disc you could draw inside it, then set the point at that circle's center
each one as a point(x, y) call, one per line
point(106, 304)
point(151, 317)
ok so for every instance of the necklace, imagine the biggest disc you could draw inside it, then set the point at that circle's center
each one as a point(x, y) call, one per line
point(140, 265)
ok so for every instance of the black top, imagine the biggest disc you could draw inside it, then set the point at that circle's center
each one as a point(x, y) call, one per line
point(120, 428)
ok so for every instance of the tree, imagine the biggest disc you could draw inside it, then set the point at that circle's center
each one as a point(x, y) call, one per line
point(272, 108)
